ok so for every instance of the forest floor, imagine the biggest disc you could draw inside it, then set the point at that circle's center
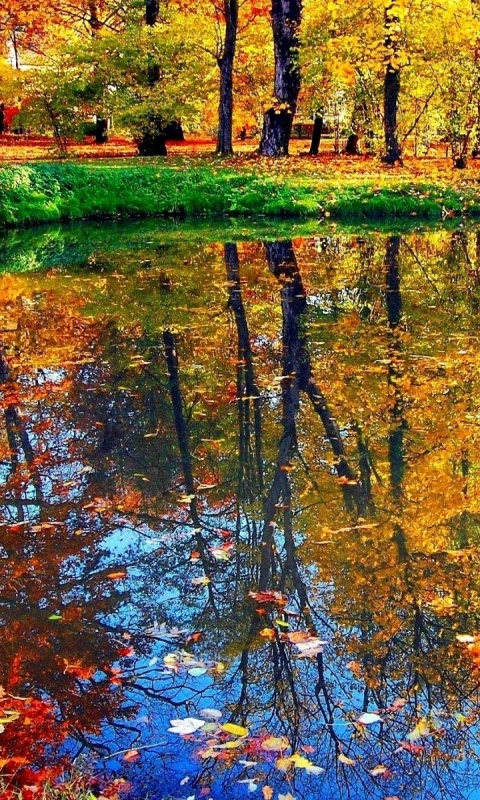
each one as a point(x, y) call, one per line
point(111, 181)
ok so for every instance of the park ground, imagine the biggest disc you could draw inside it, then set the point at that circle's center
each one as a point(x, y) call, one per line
point(96, 181)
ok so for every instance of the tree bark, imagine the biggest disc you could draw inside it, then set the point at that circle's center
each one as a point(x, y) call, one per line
point(391, 86)
point(152, 141)
point(316, 135)
point(351, 148)
point(152, 9)
point(277, 124)
point(226, 62)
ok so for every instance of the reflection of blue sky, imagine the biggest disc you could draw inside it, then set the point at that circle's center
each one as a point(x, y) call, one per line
point(166, 760)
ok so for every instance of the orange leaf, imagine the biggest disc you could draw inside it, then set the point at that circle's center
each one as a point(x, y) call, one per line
point(131, 755)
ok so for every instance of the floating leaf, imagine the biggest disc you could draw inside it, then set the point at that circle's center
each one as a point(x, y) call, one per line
point(210, 713)
point(346, 760)
point(283, 764)
point(369, 719)
point(196, 672)
point(186, 726)
point(117, 576)
point(231, 745)
point(379, 770)
point(300, 762)
point(131, 756)
point(235, 730)
point(275, 743)
point(267, 792)
point(251, 785)
point(310, 648)
point(268, 633)
point(422, 728)
point(203, 581)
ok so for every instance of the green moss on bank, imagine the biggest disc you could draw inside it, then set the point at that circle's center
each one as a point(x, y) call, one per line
point(44, 192)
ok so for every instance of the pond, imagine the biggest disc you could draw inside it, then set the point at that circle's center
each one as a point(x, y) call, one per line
point(239, 477)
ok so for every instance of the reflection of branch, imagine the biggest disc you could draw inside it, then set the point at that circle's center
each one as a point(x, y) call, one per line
point(283, 264)
point(186, 459)
point(15, 427)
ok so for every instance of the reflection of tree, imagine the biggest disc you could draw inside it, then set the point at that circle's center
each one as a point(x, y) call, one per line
point(134, 430)
point(283, 264)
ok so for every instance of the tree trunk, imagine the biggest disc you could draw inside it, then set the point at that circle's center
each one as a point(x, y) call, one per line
point(152, 141)
point(226, 62)
point(277, 124)
point(152, 9)
point(391, 86)
point(316, 135)
point(351, 148)
point(101, 131)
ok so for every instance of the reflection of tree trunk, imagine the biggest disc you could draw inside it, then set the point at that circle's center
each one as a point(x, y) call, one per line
point(185, 455)
point(18, 437)
point(393, 300)
point(283, 264)
point(245, 372)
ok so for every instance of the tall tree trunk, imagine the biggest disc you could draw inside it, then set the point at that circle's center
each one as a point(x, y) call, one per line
point(152, 141)
point(391, 86)
point(277, 123)
point(152, 9)
point(226, 62)
point(101, 124)
point(316, 135)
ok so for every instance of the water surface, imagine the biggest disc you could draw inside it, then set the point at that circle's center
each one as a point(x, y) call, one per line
point(239, 482)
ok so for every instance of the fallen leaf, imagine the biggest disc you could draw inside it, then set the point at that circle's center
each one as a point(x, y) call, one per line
point(235, 730)
point(422, 728)
point(131, 756)
point(379, 770)
point(268, 633)
point(346, 760)
point(185, 726)
point(369, 719)
point(251, 785)
point(210, 713)
point(275, 743)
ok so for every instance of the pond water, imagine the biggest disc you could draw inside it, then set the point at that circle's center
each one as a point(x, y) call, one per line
point(239, 477)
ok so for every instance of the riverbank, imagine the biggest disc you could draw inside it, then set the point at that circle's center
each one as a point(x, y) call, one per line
point(51, 192)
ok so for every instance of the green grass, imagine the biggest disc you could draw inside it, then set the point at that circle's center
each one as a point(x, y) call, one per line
point(52, 192)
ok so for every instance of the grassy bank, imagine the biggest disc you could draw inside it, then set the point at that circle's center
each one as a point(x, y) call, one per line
point(46, 192)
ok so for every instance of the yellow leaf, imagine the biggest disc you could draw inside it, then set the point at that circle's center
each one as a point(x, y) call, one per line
point(275, 743)
point(283, 764)
point(235, 730)
point(300, 762)
point(422, 728)
point(267, 792)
